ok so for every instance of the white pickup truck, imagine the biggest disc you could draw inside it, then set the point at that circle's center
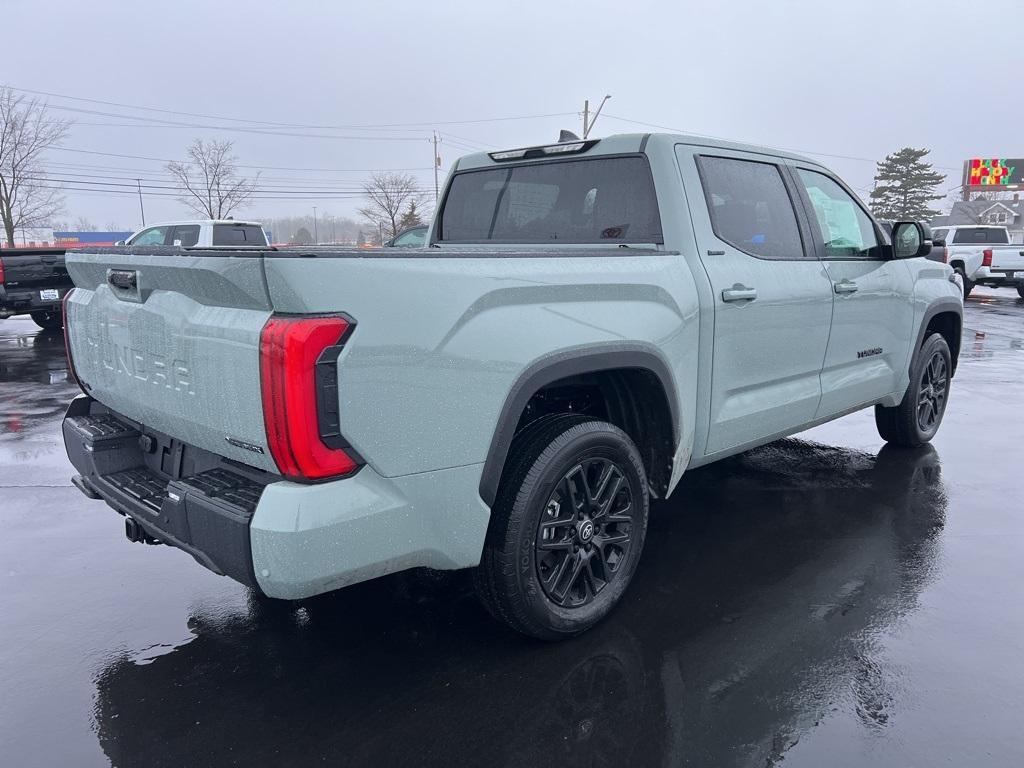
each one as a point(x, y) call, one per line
point(982, 255)
point(202, 233)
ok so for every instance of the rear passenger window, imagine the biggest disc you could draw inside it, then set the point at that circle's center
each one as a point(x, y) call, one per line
point(750, 207)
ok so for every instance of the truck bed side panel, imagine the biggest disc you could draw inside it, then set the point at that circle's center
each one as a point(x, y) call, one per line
point(440, 339)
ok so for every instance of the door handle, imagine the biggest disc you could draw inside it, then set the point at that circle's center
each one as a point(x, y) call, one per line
point(739, 292)
point(845, 286)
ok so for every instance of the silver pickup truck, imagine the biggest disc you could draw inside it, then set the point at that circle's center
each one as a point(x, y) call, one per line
point(589, 320)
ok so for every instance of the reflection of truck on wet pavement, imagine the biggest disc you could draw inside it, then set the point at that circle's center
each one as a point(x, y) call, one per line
point(751, 622)
point(591, 319)
point(33, 281)
point(983, 255)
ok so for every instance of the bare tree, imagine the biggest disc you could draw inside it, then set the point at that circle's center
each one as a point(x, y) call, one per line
point(27, 199)
point(388, 196)
point(82, 224)
point(210, 180)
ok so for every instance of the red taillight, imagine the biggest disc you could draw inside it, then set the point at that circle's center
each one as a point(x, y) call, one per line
point(945, 255)
point(1, 271)
point(289, 350)
point(986, 260)
point(67, 341)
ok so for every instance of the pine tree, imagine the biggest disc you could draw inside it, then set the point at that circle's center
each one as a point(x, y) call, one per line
point(411, 217)
point(904, 186)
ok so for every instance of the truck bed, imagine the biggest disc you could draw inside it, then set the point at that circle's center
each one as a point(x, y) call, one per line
point(179, 350)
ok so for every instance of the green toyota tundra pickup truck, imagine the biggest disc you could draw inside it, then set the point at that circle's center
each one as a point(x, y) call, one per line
point(589, 320)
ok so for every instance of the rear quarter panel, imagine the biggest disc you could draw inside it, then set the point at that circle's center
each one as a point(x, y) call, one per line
point(440, 340)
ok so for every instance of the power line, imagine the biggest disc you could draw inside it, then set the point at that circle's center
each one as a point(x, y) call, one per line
point(722, 138)
point(178, 194)
point(240, 165)
point(131, 173)
point(371, 126)
point(236, 129)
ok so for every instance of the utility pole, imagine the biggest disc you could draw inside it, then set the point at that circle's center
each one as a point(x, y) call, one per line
point(142, 210)
point(437, 164)
point(316, 238)
point(588, 123)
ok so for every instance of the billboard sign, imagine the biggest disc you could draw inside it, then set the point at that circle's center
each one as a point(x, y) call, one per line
point(1007, 173)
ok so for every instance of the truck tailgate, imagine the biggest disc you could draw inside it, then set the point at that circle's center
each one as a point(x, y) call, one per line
point(1008, 257)
point(171, 340)
point(33, 267)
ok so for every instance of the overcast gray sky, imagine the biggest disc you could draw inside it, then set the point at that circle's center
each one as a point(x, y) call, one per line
point(857, 79)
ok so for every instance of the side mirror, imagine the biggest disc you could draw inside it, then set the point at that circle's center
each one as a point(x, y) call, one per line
point(119, 242)
point(910, 240)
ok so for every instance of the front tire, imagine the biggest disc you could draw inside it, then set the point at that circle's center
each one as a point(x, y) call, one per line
point(916, 419)
point(48, 321)
point(1020, 290)
point(567, 527)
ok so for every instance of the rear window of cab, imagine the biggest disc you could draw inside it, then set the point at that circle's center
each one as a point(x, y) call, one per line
point(984, 235)
point(238, 234)
point(594, 200)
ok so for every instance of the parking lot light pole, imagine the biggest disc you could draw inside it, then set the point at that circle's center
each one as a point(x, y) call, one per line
point(316, 239)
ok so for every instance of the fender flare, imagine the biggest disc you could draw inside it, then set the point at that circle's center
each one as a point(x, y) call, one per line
point(559, 365)
point(938, 307)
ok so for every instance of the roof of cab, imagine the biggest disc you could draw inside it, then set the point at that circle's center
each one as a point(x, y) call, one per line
point(187, 222)
point(624, 143)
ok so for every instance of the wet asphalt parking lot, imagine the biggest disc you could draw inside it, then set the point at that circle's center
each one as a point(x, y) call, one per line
point(820, 601)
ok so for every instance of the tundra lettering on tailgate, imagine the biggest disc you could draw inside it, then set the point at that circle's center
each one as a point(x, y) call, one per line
point(141, 365)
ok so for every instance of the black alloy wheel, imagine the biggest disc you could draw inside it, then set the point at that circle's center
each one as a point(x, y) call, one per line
point(931, 400)
point(567, 527)
point(585, 533)
point(919, 414)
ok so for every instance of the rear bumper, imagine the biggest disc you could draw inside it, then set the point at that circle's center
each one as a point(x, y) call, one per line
point(288, 540)
point(21, 301)
point(206, 514)
point(998, 277)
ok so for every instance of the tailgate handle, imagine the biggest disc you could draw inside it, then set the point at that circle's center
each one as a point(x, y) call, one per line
point(123, 278)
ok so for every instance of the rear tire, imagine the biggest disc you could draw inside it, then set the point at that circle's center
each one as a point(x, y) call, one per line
point(567, 527)
point(50, 321)
point(968, 284)
point(1020, 290)
point(916, 419)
